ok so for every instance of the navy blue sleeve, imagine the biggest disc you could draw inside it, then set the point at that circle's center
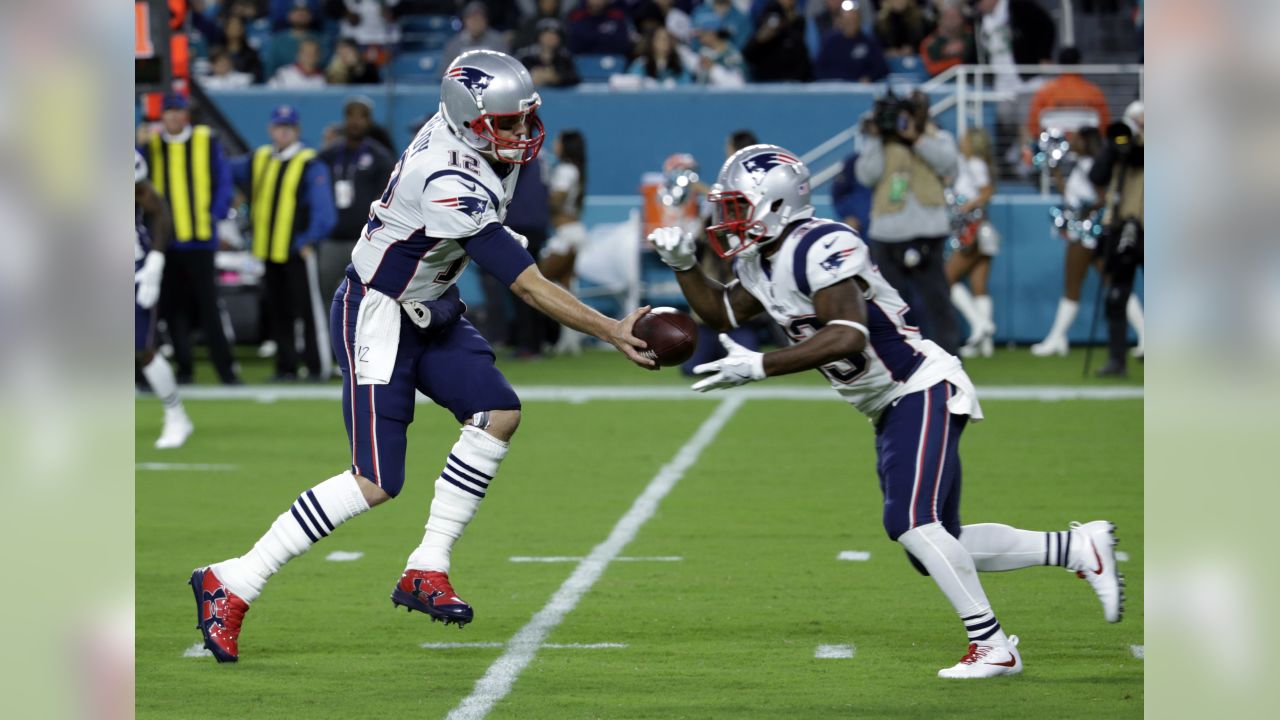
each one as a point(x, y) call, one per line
point(497, 253)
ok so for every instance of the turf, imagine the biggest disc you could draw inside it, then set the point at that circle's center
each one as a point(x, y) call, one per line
point(728, 632)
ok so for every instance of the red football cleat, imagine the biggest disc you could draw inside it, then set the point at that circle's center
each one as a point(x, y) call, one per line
point(219, 613)
point(429, 591)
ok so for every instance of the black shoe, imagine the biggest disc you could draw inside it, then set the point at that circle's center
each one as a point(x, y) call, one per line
point(1113, 369)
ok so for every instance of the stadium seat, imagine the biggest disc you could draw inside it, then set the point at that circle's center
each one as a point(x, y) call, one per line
point(598, 68)
point(415, 67)
point(906, 69)
point(427, 32)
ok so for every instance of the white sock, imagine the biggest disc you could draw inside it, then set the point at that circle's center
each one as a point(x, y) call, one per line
point(316, 513)
point(952, 569)
point(963, 300)
point(160, 377)
point(986, 312)
point(1066, 315)
point(1133, 311)
point(471, 466)
point(996, 547)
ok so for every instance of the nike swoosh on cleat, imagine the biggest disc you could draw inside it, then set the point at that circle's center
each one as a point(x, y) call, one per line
point(1097, 557)
point(1012, 661)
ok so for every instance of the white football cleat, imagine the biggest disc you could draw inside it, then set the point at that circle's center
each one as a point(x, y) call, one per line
point(1097, 564)
point(1051, 345)
point(177, 428)
point(985, 660)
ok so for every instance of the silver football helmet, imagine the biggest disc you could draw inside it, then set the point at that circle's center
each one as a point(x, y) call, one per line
point(484, 92)
point(761, 189)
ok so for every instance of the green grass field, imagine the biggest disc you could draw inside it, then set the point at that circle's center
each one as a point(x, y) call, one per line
point(728, 631)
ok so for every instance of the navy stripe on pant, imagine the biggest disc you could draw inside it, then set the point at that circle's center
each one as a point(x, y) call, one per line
point(918, 460)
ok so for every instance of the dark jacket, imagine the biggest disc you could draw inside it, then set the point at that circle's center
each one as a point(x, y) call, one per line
point(367, 168)
point(785, 55)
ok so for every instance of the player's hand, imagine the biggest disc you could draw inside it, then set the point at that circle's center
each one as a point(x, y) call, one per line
point(629, 344)
point(739, 367)
point(524, 241)
point(675, 247)
point(148, 279)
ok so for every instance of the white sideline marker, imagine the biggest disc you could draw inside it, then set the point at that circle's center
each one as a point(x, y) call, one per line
point(552, 646)
point(568, 558)
point(854, 555)
point(343, 556)
point(211, 467)
point(1122, 556)
point(524, 645)
point(833, 652)
point(197, 650)
point(1139, 651)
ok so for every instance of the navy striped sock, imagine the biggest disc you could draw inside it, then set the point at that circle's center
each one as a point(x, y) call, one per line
point(981, 626)
point(1057, 548)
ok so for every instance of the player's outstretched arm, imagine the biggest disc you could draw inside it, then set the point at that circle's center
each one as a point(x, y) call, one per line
point(841, 308)
point(720, 307)
point(561, 306)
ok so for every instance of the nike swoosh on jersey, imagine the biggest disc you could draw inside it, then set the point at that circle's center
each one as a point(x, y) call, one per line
point(828, 243)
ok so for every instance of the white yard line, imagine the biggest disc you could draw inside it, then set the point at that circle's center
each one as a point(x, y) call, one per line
point(344, 556)
point(833, 652)
point(854, 555)
point(545, 646)
point(523, 646)
point(1139, 651)
point(568, 558)
point(183, 467)
point(587, 393)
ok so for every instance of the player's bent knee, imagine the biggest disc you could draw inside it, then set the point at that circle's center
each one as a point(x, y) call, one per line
point(373, 494)
point(501, 424)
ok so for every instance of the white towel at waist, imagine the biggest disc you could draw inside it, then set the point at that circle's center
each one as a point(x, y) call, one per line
point(377, 338)
point(965, 401)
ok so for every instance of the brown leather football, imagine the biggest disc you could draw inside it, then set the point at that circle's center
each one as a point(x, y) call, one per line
point(672, 335)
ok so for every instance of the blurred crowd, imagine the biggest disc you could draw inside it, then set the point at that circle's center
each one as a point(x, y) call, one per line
point(314, 43)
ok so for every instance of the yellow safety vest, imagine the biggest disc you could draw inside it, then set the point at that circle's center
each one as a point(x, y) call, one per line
point(275, 201)
point(182, 173)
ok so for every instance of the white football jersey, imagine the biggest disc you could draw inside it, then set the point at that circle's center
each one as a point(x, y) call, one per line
point(897, 361)
point(440, 193)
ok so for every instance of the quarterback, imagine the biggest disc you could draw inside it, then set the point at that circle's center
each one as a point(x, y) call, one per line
point(397, 328)
point(814, 277)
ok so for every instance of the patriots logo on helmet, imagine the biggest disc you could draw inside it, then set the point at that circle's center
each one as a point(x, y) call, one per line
point(472, 207)
point(835, 260)
point(757, 166)
point(473, 79)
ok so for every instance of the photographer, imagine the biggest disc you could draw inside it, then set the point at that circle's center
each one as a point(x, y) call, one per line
point(1118, 175)
point(905, 160)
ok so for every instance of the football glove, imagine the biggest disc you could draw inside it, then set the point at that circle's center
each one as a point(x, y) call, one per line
point(675, 247)
point(524, 241)
point(147, 278)
point(739, 367)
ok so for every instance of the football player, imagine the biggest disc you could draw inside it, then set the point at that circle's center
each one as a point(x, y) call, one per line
point(814, 277)
point(148, 270)
point(397, 329)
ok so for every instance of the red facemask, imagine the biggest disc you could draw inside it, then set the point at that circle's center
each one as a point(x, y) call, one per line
point(483, 127)
point(734, 230)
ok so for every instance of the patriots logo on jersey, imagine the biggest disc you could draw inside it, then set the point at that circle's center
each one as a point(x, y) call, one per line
point(835, 260)
point(473, 207)
point(757, 166)
point(474, 80)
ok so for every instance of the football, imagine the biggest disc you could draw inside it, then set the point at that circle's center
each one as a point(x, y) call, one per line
point(671, 335)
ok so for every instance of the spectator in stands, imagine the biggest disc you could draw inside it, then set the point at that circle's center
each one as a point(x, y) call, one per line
point(348, 67)
point(659, 60)
point(281, 12)
point(243, 57)
point(906, 158)
point(549, 63)
point(526, 33)
point(599, 27)
point(285, 44)
point(222, 72)
point(951, 43)
point(900, 26)
point(246, 10)
point(777, 50)
point(1014, 32)
point(733, 21)
point(1069, 90)
point(718, 62)
point(304, 73)
point(649, 14)
point(476, 35)
point(370, 23)
point(848, 53)
point(359, 167)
